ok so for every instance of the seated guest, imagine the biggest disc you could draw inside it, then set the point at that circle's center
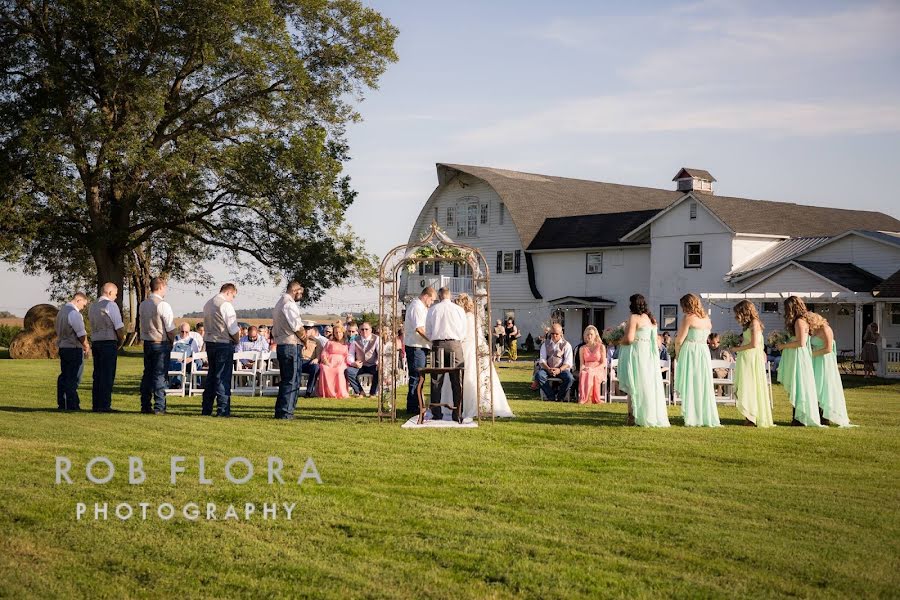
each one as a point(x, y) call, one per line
point(187, 343)
point(252, 342)
point(332, 364)
point(310, 351)
point(556, 361)
point(663, 340)
point(242, 332)
point(197, 334)
point(364, 353)
point(352, 331)
point(320, 335)
point(329, 332)
point(716, 352)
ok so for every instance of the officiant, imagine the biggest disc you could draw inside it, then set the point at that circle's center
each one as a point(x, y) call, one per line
point(445, 326)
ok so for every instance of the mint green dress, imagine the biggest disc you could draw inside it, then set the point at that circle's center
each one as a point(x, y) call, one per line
point(751, 385)
point(829, 389)
point(795, 373)
point(641, 379)
point(694, 380)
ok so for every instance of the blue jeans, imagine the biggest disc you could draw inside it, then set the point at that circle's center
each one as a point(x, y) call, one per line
point(71, 366)
point(220, 356)
point(311, 369)
point(153, 383)
point(289, 366)
point(352, 374)
point(104, 373)
point(561, 391)
point(415, 360)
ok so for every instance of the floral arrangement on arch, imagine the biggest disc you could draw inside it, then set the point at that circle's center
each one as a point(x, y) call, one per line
point(448, 252)
point(611, 336)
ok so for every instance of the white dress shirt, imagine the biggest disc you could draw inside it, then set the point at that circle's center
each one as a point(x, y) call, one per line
point(416, 314)
point(568, 358)
point(164, 310)
point(292, 312)
point(445, 321)
point(228, 313)
point(198, 339)
point(76, 321)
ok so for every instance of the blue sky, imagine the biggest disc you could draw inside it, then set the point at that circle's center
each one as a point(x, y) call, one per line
point(791, 101)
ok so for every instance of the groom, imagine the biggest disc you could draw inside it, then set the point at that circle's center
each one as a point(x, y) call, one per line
point(445, 326)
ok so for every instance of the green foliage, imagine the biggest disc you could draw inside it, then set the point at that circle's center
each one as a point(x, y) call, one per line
point(7, 333)
point(5, 314)
point(371, 318)
point(166, 134)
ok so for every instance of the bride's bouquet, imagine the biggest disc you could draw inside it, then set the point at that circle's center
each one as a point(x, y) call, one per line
point(611, 336)
point(778, 336)
point(730, 339)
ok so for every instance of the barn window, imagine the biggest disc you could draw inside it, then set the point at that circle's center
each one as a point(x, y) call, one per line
point(693, 255)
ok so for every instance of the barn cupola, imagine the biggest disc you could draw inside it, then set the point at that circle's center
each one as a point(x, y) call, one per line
point(694, 180)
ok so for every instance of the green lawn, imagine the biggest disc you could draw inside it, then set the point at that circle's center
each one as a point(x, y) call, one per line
point(562, 502)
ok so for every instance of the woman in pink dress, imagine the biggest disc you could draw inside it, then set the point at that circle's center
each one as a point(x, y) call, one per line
point(592, 375)
point(331, 382)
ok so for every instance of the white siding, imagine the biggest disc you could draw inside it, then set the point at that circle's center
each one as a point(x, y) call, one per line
point(743, 248)
point(876, 257)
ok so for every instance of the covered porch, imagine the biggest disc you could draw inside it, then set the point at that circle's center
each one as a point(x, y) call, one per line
point(574, 311)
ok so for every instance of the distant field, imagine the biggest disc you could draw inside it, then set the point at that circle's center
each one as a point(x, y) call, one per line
point(562, 502)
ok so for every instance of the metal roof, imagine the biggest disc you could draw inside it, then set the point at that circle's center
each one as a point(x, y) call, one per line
point(780, 252)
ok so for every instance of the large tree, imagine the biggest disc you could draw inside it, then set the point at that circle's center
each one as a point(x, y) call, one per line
point(138, 135)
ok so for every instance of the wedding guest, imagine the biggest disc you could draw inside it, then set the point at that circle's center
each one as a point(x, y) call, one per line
point(252, 342)
point(693, 379)
point(107, 335)
point(288, 332)
point(197, 334)
point(71, 339)
point(310, 352)
point(796, 370)
point(416, 344)
point(556, 360)
point(592, 374)
point(365, 351)
point(243, 331)
point(751, 388)
point(333, 362)
point(717, 352)
point(158, 332)
point(499, 339)
point(638, 370)
point(445, 326)
point(829, 388)
point(184, 342)
point(871, 340)
point(329, 332)
point(512, 339)
point(664, 340)
point(222, 332)
point(321, 336)
point(352, 331)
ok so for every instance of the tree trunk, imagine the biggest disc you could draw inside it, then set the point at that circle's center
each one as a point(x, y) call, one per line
point(111, 269)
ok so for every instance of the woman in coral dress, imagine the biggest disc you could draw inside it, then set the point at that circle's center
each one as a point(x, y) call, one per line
point(333, 361)
point(592, 374)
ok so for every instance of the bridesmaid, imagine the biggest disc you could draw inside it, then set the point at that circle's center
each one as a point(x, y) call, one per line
point(592, 357)
point(639, 374)
point(331, 382)
point(693, 371)
point(750, 384)
point(829, 389)
point(795, 371)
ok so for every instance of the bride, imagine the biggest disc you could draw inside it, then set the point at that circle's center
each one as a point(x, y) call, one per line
point(501, 406)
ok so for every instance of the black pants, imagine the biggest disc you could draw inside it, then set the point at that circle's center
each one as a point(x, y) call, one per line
point(71, 365)
point(452, 353)
point(153, 383)
point(217, 386)
point(104, 374)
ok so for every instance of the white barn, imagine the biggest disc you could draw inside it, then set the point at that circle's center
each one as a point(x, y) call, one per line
point(573, 251)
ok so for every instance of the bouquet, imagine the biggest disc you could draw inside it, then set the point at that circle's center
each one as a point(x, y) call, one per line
point(778, 337)
point(730, 339)
point(612, 335)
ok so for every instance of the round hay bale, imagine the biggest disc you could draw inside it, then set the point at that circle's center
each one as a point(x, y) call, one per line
point(41, 318)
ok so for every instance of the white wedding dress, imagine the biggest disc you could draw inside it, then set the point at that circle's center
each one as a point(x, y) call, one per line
point(470, 385)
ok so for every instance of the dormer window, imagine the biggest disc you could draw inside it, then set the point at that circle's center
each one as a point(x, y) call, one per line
point(693, 210)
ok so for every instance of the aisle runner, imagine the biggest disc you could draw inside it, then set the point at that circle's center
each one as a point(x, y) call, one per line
point(445, 422)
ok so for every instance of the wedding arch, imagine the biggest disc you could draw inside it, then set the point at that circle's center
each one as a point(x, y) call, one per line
point(435, 246)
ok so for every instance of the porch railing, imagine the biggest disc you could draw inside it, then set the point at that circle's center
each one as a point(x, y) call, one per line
point(891, 359)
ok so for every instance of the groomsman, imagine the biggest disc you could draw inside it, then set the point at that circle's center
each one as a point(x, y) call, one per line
point(288, 333)
point(71, 339)
point(107, 334)
point(221, 334)
point(416, 343)
point(445, 326)
point(158, 332)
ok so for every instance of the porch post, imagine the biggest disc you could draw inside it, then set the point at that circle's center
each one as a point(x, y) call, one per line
point(857, 330)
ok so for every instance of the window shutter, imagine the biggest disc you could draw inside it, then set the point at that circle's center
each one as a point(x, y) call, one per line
point(499, 261)
point(456, 269)
point(518, 263)
point(437, 267)
point(421, 268)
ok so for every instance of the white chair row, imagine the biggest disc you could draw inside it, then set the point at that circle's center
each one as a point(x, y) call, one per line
point(253, 373)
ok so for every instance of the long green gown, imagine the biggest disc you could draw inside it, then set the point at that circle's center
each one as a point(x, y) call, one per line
point(795, 372)
point(829, 388)
point(751, 386)
point(641, 379)
point(693, 381)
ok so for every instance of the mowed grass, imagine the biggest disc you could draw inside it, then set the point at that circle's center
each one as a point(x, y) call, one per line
point(562, 502)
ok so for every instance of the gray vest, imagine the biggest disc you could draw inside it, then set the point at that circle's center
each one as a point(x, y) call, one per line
point(368, 356)
point(282, 332)
point(65, 335)
point(216, 330)
point(152, 327)
point(101, 324)
point(556, 353)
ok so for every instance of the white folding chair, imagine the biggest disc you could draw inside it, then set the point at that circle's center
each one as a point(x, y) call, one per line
point(268, 373)
point(726, 382)
point(614, 393)
point(243, 377)
point(769, 379)
point(181, 371)
point(673, 373)
point(197, 373)
point(665, 368)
